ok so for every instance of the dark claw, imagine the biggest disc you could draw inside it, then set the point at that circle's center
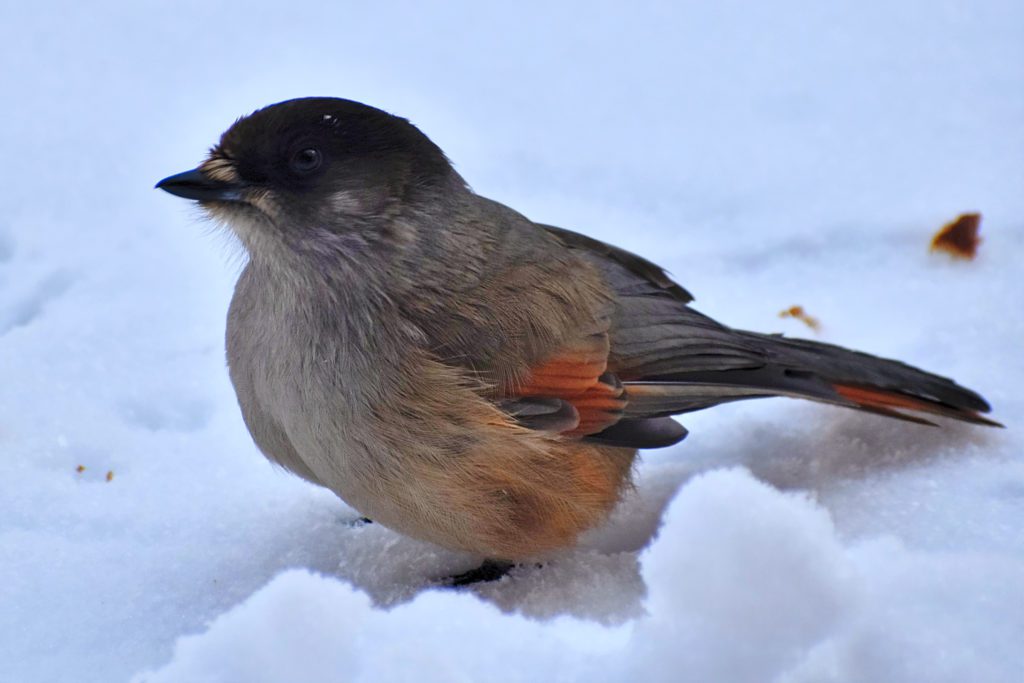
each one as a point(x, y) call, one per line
point(490, 570)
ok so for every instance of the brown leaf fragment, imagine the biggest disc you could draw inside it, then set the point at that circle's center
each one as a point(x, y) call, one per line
point(959, 238)
point(801, 315)
point(110, 475)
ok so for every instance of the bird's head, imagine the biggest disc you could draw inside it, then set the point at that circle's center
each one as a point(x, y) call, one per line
point(312, 168)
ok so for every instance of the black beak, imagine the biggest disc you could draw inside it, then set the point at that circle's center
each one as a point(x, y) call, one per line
point(195, 184)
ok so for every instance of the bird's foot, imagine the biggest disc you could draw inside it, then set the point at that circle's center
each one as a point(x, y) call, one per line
point(490, 570)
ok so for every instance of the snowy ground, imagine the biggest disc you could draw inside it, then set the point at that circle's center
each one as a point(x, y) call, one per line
point(791, 153)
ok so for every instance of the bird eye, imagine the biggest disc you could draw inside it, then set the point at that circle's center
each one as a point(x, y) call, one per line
point(306, 160)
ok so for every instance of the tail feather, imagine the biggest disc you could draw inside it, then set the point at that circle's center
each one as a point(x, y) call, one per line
point(672, 359)
point(889, 401)
point(812, 370)
point(895, 414)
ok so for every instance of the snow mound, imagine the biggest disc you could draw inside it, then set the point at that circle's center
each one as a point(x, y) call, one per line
point(748, 584)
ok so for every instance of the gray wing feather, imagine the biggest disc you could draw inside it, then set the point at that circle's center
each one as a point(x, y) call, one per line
point(673, 359)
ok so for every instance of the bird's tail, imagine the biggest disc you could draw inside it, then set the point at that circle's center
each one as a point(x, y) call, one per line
point(812, 370)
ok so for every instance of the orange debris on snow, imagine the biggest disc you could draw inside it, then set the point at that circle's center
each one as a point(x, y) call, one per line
point(959, 238)
point(801, 315)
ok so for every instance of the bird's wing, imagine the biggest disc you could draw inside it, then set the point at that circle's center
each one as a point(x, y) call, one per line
point(577, 377)
point(571, 392)
point(577, 373)
point(645, 272)
point(653, 330)
point(672, 359)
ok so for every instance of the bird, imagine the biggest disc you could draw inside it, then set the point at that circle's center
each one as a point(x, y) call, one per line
point(457, 372)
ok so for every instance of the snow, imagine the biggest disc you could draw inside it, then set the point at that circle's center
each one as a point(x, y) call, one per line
point(768, 155)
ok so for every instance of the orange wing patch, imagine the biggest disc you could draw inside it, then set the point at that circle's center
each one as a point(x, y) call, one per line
point(578, 375)
point(563, 377)
point(599, 407)
point(570, 372)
